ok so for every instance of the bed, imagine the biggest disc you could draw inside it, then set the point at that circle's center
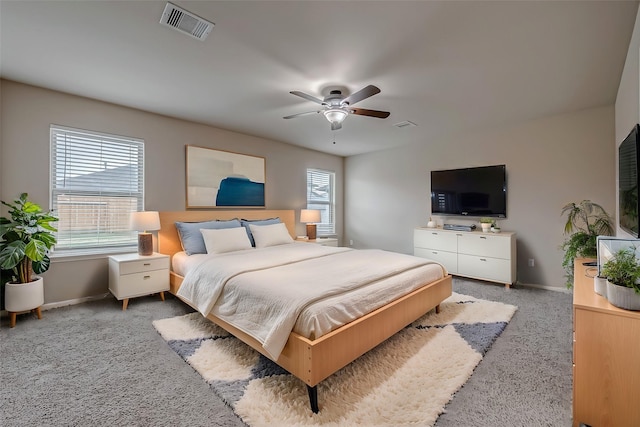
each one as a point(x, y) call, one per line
point(309, 359)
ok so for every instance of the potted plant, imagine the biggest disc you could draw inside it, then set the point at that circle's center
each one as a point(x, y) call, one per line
point(486, 223)
point(623, 273)
point(585, 222)
point(25, 240)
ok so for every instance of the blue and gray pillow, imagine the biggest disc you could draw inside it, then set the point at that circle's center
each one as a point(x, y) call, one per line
point(245, 223)
point(191, 237)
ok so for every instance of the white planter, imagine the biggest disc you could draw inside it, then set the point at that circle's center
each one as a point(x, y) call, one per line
point(623, 297)
point(24, 296)
point(485, 227)
point(600, 285)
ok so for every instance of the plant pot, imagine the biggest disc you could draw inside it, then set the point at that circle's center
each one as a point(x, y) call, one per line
point(623, 297)
point(24, 296)
point(600, 285)
point(485, 227)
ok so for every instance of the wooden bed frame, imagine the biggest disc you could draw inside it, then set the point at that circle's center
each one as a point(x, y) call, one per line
point(314, 360)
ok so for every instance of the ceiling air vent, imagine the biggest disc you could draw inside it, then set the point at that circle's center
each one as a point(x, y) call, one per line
point(405, 124)
point(185, 22)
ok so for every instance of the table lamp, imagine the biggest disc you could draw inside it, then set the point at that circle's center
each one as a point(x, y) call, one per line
point(310, 216)
point(144, 222)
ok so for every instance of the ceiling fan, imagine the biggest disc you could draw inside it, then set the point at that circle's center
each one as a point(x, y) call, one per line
point(337, 107)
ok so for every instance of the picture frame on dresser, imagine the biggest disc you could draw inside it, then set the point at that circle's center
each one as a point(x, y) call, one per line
point(223, 179)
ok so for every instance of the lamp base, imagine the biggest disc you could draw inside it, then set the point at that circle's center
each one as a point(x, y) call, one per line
point(311, 231)
point(145, 244)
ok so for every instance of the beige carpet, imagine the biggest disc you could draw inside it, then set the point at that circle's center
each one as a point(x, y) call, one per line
point(407, 380)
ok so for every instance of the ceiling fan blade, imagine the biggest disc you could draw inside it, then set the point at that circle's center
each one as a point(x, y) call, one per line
point(370, 113)
point(336, 126)
point(307, 97)
point(301, 114)
point(361, 94)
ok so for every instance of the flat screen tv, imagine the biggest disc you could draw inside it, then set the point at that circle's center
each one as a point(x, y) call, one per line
point(478, 191)
point(628, 183)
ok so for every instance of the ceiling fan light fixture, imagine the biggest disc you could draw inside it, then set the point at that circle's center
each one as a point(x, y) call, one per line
point(335, 115)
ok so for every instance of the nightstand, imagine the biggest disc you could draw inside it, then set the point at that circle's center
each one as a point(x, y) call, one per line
point(133, 275)
point(324, 241)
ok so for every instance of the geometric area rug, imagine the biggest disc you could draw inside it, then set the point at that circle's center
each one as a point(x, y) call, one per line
point(406, 380)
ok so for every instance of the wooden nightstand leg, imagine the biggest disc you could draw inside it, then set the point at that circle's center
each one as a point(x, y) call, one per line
point(162, 295)
point(38, 312)
point(12, 319)
point(125, 302)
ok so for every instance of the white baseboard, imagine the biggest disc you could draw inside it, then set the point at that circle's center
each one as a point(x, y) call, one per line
point(74, 301)
point(564, 290)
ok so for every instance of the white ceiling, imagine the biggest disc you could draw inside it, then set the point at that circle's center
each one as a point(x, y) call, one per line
point(448, 66)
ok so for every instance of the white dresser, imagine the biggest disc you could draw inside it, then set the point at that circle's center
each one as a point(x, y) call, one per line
point(474, 254)
point(133, 275)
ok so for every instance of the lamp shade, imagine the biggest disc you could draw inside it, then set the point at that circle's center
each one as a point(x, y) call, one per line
point(144, 221)
point(309, 215)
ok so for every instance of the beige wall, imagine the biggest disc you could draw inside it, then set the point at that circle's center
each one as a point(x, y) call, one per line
point(28, 111)
point(628, 100)
point(550, 162)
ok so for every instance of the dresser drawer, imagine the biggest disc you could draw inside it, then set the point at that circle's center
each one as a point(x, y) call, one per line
point(138, 284)
point(484, 245)
point(482, 267)
point(448, 259)
point(143, 265)
point(434, 239)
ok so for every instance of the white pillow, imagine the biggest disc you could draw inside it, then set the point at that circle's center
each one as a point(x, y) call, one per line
point(225, 240)
point(270, 235)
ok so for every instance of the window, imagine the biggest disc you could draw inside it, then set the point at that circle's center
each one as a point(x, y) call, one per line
point(97, 180)
point(321, 195)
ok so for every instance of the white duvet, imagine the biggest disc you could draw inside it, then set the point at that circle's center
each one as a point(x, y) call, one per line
point(263, 291)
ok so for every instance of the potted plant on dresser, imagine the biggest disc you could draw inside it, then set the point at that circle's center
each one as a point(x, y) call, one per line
point(585, 222)
point(623, 273)
point(25, 240)
point(486, 223)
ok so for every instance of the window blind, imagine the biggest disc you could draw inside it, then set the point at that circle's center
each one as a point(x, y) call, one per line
point(320, 195)
point(97, 180)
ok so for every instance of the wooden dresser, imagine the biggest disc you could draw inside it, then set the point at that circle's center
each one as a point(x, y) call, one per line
point(606, 358)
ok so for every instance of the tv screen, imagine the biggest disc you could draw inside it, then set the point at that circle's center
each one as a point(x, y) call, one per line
point(628, 182)
point(478, 191)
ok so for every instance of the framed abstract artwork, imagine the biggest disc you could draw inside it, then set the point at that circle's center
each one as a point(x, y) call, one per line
point(223, 179)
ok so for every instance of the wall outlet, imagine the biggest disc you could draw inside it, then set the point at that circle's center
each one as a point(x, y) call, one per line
point(350, 242)
point(532, 262)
